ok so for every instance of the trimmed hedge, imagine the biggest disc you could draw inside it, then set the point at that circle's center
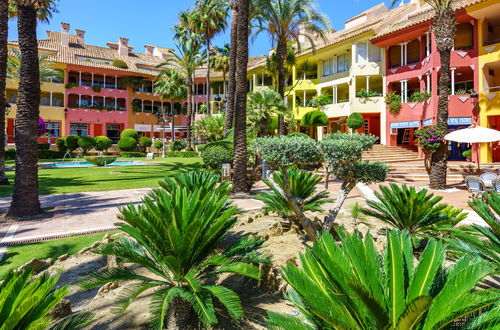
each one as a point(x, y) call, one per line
point(131, 154)
point(10, 154)
point(178, 145)
point(186, 154)
point(43, 146)
point(158, 144)
point(61, 144)
point(131, 133)
point(103, 143)
point(71, 142)
point(86, 143)
point(215, 156)
point(127, 143)
point(355, 120)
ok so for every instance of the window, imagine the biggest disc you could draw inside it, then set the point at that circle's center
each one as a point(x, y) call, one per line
point(413, 51)
point(464, 87)
point(80, 129)
point(12, 97)
point(395, 56)
point(53, 128)
point(343, 63)
point(362, 53)
point(328, 67)
point(464, 37)
point(374, 53)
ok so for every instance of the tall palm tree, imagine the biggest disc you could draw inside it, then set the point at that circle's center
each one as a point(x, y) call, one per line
point(220, 62)
point(4, 27)
point(25, 200)
point(232, 66)
point(240, 99)
point(171, 84)
point(283, 20)
point(210, 18)
point(45, 66)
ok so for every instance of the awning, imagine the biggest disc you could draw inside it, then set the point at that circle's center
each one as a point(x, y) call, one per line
point(405, 124)
point(142, 127)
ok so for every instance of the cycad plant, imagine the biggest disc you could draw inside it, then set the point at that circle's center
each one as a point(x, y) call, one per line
point(351, 286)
point(175, 236)
point(420, 213)
point(25, 303)
point(303, 189)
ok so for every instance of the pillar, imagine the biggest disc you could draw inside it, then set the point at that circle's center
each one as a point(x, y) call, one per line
point(453, 81)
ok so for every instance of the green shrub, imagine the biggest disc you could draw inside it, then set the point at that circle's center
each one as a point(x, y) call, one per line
point(103, 143)
point(127, 143)
point(61, 144)
point(355, 121)
point(393, 101)
point(158, 144)
point(226, 144)
point(145, 142)
point(50, 154)
point(215, 156)
point(180, 154)
point(96, 89)
point(178, 145)
point(71, 85)
point(314, 118)
point(10, 154)
point(120, 64)
point(100, 160)
point(131, 154)
point(299, 135)
point(86, 143)
point(43, 146)
point(467, 153)
point(71, 142)
point(130, 132)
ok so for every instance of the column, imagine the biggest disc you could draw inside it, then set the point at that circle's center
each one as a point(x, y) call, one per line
point(104, 100)
point(427, 43)
point(142, 105)
point(79, 100)
point(452, 81)
point(335, 94)
point(262, 76)
point(92, 80)
point(428, 82)
point(402, 54)
point(91, 100)
point(104, 81)
point(116, 103)
point(50, 100)
point(79, 78)
point(305, 95)
point(116, 82)
point(367, 83)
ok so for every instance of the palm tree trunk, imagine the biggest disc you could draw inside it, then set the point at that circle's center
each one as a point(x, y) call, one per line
point(181, 316)
point(173, 124)
point(188, 114)
point(281, 53)
point(4, 18)
point(232, 67)
point(444, 28)
point(240, 101)
point(25, 196)
point(209, 92)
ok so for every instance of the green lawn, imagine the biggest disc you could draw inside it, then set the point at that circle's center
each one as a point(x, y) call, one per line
point(71, 180)
point(18, 255)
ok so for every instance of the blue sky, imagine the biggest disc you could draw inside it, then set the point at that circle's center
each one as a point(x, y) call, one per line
point(151, 21)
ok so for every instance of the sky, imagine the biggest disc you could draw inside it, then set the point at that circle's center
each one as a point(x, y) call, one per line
point(151, 21)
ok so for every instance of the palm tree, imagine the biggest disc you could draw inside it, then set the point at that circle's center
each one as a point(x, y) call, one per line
point(261, 105)
point(171, 84)
point(283, 20)
point(25, 195)
point(175, 237)
point(210, 18)
point(26, 301)
point(231, 84)
point(220, 62)
point(240, 99)
point(45, 66)
point(4, 19)
point(351, 286)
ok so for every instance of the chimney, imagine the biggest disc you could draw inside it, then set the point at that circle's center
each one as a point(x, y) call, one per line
point(149, 50)
point(80, 36)
point(64, 34)
point(123, 47)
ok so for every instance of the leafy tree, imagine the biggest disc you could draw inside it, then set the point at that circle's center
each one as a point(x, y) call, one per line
point(145, 142)
point(351, 286)
point(182, 276)
point(86, 143)
point(178, 145)
point(281, 20)
point(103, 143)
point(25, 303)
point(262, 105)
point(210, 128)
point(303, 189)
point(71, 142)
point(419, 213)
point(158, 144)
point(355, 121)
point(61, 144)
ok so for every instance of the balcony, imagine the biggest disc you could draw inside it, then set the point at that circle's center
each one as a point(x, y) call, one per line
point(307, 84)
point(368, 69)
point(337, 110)
point(96, 103)
point(374, 104)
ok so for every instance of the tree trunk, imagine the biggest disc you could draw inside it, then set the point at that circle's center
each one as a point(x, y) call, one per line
point(4, 18)
point(209, 92)
point(172, 137)
point(444, 28)
point(344, 191)
point(240, 181)
point(181, 316)
point(188, 115)
point(25, 196)
point(281, 54)
point(232, 67)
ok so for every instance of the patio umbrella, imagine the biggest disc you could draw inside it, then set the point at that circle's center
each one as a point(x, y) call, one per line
point(474, 134)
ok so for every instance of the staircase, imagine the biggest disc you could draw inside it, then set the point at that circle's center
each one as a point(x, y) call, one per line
point(391, 154)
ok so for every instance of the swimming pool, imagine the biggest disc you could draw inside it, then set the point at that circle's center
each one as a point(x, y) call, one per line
point(87, 164)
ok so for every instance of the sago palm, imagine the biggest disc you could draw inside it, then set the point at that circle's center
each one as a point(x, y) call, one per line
point(171, 84)
point(262, 105)
point(283, 21)
point(420, 213)
point(25, 303)
point(175, 236)
point(350, 286)
point(303, 189)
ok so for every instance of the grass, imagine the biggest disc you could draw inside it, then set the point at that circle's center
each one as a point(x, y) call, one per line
point(18, 255)
point(72, 180)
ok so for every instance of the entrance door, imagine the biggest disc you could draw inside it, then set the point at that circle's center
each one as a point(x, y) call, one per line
point(456, 149)
point(494, 122)
point(113, 132)
point(97, 129)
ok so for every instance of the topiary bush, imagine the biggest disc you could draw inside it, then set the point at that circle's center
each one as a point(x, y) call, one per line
point(127, 143)
point(215, 156)
point(86, 143)
point(131, 154)
point(355, 121)
point(178, 145)
point(314, 118)
point(145, 142)
point(71, 142)
point(103, 143)
point(129, 132)
point(61, 144)
point(158, 144)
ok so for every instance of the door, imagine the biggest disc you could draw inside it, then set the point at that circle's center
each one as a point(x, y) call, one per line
point(113, 132)
point(10, 130)
point(456, 149)
point(97, 129)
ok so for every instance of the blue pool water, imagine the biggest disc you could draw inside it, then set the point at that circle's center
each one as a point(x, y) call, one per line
point(86, 164)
